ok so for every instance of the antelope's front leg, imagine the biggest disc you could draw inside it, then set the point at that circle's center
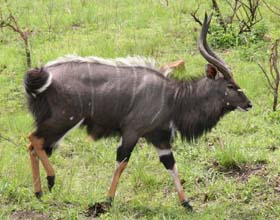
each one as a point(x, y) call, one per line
point(124, 151)
point(120, 166)
point(167, 158)
point(123, 155)
point(37, 144)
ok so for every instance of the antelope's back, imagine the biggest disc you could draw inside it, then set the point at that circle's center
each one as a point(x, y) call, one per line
point(110, 95)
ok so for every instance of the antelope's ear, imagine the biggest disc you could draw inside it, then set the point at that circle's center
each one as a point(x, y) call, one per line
point(211, 71)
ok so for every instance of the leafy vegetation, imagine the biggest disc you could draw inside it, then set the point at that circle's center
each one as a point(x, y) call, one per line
point(231, 173)
point(231, 37)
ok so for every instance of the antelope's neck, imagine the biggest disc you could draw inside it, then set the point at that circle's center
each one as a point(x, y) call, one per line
point(195, 111)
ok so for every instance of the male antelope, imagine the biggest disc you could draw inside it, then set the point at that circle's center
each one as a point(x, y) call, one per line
point(129, 97)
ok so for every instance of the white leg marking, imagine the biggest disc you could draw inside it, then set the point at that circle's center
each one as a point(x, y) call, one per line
point(163, 152)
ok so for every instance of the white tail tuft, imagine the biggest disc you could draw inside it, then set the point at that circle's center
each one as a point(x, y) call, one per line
point(46, 85)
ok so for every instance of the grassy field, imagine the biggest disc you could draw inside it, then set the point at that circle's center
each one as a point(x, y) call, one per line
point(231, 173)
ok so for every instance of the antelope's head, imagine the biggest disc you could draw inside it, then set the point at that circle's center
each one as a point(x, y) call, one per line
point(219, 77)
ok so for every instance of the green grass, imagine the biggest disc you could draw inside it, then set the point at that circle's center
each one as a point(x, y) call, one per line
point(211, 167)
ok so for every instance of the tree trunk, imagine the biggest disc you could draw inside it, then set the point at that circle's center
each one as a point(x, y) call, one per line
point(217, 9)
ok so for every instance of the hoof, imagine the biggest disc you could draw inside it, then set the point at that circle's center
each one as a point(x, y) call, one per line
point(99, 208)
point(38, 194)
point(109, 201)
point(50, 182)
point(187, 206)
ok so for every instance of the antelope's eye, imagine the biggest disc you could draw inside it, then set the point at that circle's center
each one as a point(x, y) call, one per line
point(230, 86)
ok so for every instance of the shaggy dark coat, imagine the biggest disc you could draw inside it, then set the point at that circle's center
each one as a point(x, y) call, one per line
point(110, 99)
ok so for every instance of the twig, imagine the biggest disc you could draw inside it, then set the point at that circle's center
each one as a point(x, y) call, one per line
point(219, 15)
point(270, 8)
point(12, 23)
point(193, 14)
point(246, 12)
point(8, 140)
point(274, 79)
point(234, 8)
point(266, 76)
point(166, 3)
point(274, 63)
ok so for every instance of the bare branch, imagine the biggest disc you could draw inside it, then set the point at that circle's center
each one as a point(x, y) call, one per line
point(275, 59)
point(165, 2)
point(247, 12)
point(12, 23)
point(250, 15)
point(8, 140)
point(274, 73)
point(193, 14)
point(234, 8)
point(266, 76)
point(271, 9)
point(219, 15)
point(271, 63)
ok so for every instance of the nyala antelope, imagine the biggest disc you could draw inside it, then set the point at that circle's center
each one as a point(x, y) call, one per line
point(129, 97)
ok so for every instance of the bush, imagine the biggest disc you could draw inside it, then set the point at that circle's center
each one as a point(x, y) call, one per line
point(221, 38)
point(232, 38)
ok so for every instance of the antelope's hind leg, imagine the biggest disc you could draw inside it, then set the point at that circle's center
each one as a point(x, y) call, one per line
point(36, 150)
point(34, 160)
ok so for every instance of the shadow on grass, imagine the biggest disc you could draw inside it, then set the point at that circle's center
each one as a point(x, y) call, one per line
point(139, 211)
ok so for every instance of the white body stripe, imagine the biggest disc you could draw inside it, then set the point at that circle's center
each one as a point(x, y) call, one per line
point(46, 85)
point(163, 152)
point(161, 102)
point(92, 93)
point(75, 126)
point(173, 128)
point(133, 88)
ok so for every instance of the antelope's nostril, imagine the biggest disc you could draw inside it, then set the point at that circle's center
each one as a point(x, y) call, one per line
point(250, 105)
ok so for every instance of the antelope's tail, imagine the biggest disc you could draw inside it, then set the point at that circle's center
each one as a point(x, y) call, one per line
point(37, 81)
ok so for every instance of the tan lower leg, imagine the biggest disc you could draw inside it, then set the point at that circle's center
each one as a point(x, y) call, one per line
point(119, 169)
point(35, 170)
point(37, 144)
point(177, 182)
